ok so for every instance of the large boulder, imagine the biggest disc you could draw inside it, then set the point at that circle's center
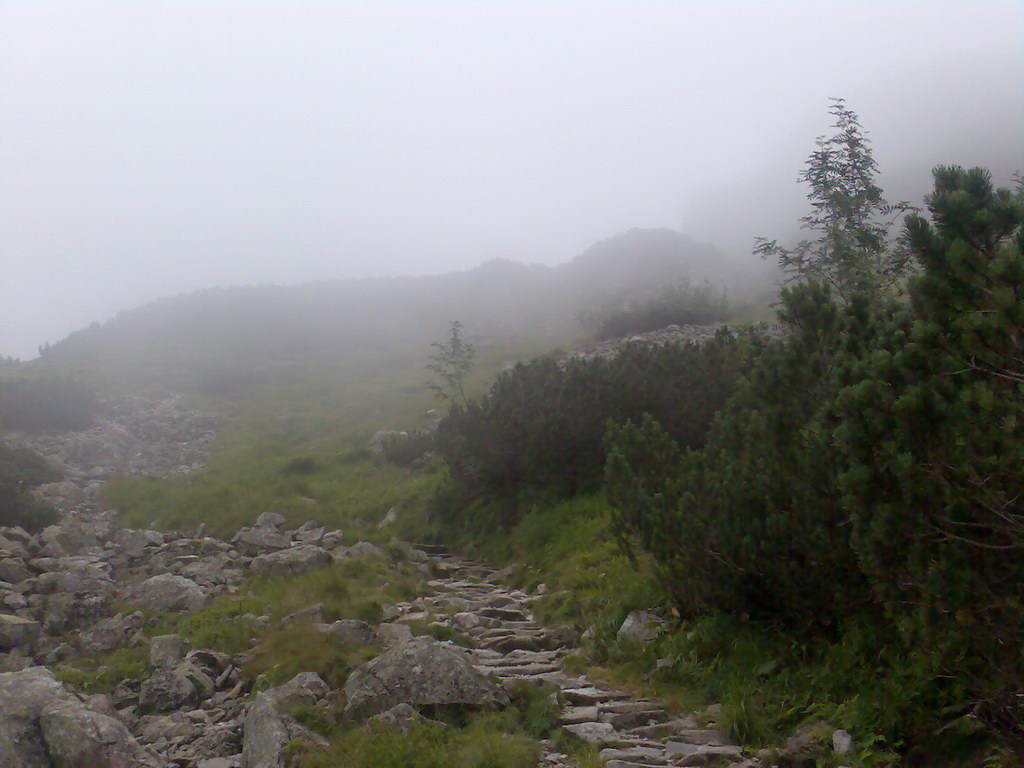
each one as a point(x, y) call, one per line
point(287, 562)
point(420, 672)
point(168, 592)
point(42, 725)
point(77, 736)
point(268, 727)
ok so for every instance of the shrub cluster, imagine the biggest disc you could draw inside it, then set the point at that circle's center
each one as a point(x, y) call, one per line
point(681, 303)
point(870, 461)
point(541, 427)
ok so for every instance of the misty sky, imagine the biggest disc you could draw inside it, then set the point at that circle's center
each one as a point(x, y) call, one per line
point(150, 148)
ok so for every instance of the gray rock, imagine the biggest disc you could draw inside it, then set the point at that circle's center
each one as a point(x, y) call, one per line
point(310, 533)
point(69, 538)
point(806, 745)
point(166, 651)
point(420, 672)
point(260, 539)
point(65, 612)
point(361, 549)
point(287, 562)
point(352, 632)
point(13, 570)
point(110, 634)
point(264, 735)
point(135, 542)
point(168, 592)
point(641, 626)
point(17, 632)
point(77, 736)
point(380, 438)
point(270, 520)
point(842, 742)
point(268, 729)
point(332, 539)
point(169, 689)
point(43, 725)
point(391, 635)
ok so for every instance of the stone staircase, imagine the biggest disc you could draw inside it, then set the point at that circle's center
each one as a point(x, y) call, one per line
point(511, 645)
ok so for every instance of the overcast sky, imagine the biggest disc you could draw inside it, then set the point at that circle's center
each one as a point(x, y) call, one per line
point(149, 148)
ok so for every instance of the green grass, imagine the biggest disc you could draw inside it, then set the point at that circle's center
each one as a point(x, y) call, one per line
point(301, 448)
point(504, 738)
point(101, 673)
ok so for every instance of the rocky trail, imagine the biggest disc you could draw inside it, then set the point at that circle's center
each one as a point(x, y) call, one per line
point(87, 587)
point(512, 647)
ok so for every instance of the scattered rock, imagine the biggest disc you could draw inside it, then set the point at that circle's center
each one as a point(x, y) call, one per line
point(288, 562)
point(168, 592)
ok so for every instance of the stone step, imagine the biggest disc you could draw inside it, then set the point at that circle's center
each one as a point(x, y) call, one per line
point(635, 755)
point(592, 695)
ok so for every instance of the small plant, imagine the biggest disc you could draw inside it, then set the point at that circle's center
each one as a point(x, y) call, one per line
point(451, 363)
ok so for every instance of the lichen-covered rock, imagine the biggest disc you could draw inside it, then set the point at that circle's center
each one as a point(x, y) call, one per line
point(168, 592)
point(419, 672)
point(287, 562)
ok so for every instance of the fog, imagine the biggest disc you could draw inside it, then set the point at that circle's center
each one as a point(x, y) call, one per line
point(151, 148)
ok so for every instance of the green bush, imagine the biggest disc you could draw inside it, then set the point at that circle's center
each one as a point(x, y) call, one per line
point(932, 440)
point(751, 523)
point(541, 427)
point(678, 304)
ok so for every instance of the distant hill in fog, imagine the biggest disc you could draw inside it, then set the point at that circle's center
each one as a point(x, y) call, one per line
point(217, 340)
